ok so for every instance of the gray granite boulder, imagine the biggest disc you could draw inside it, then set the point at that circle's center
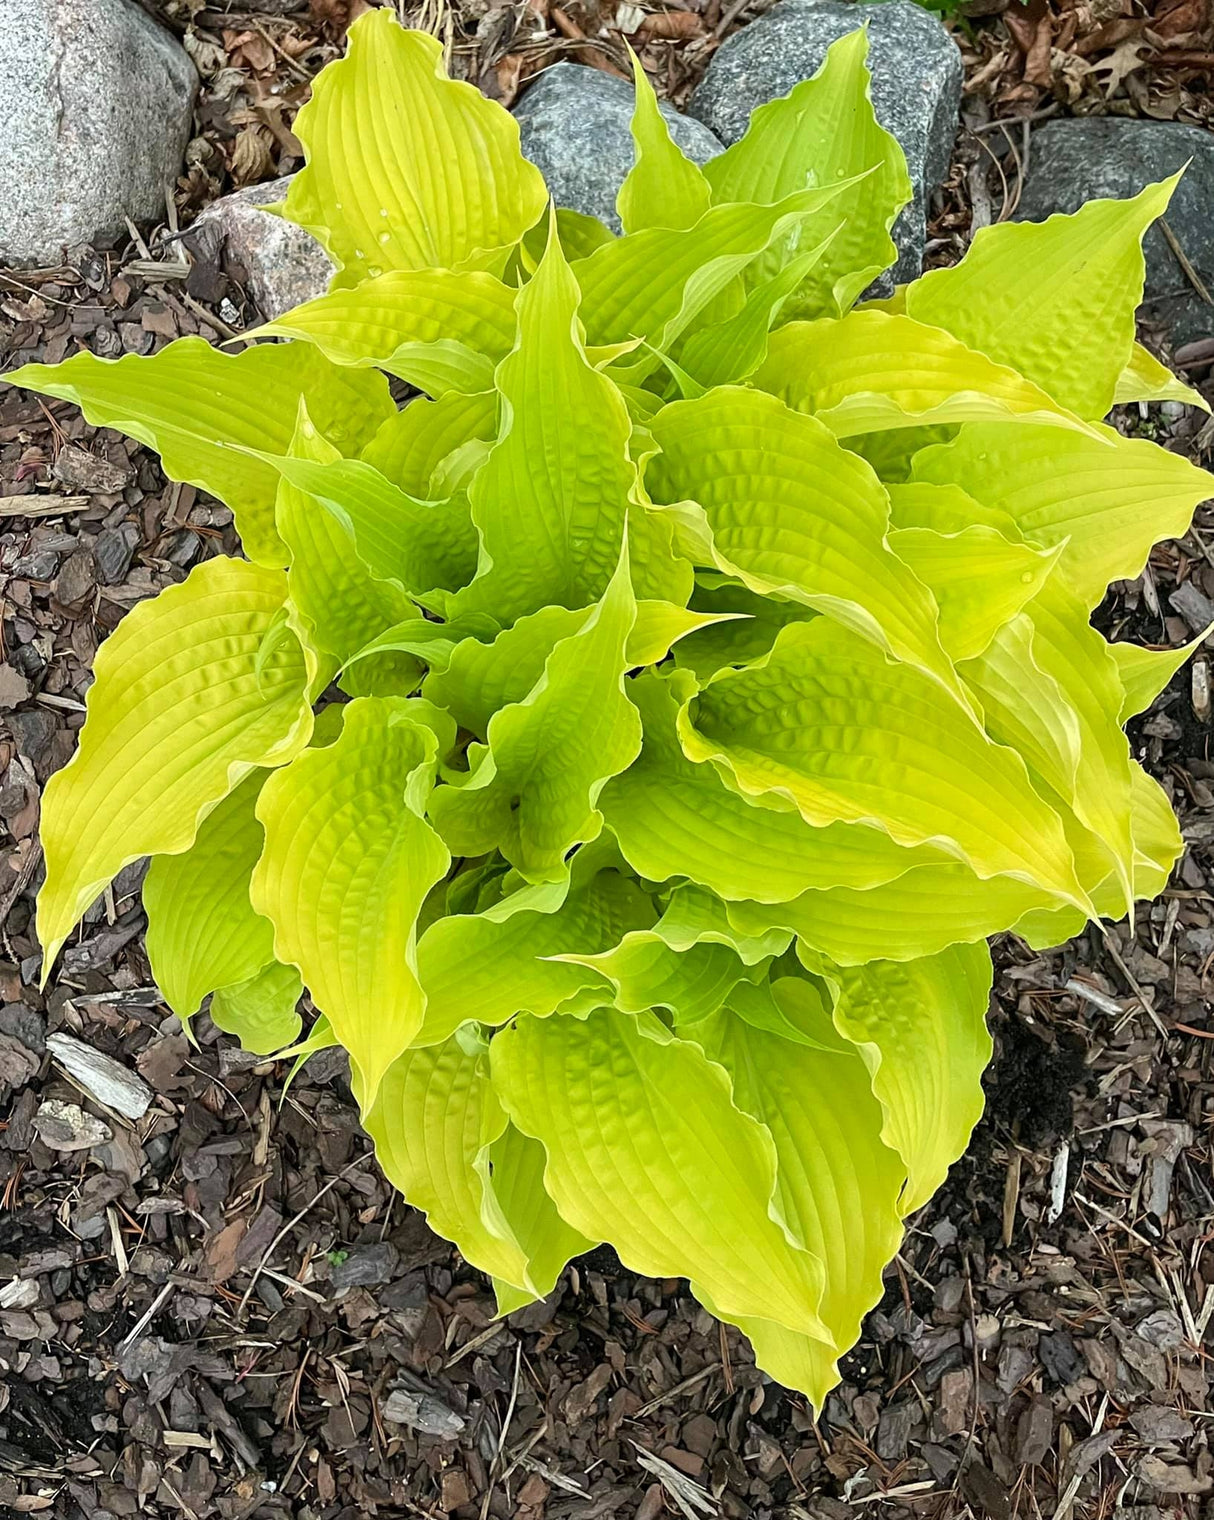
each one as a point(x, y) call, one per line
point(916, 88)
point(574, 123)
point(96, 106)
point(283, 265)
point(1075, 161)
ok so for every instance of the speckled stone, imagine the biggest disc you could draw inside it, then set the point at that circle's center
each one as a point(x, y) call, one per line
point(96, 106)
point(916, 88)
point(283, 264)
point(574, 123)
point(1075, 161)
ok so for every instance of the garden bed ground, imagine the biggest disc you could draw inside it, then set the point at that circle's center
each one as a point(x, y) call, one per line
point(1040, 1348)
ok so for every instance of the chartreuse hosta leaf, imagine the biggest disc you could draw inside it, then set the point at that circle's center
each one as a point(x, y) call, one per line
point(921, 1028)
point(1069, 326)
point(517, 1163)
point(339, 603)
point(1106, 499)
point(822, 131)
point(180, 711)
point(197, 406)
point(551, 499)
point(647, 1149)
point(406, 168)
point(688, 962)
point(1144, 673)
point(674, 817)
point(827, 723)
point(203, 931)
point(696, 745)
point(837, 1182)
point(419, 546)
point(416, 447)
point(1145, 379)
point(924, 910)
point(663, 188)
point(438, 330)
point(979, 578)
point(655, 284)
point(1076, 659)
point(348, 859)
point(870, 371)
point(486, 967)
point(261, 1012)
point(532, 788)
point(772, 497)
point(433, 1121)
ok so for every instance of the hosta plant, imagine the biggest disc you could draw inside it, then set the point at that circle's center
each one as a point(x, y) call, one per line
point(631, 741)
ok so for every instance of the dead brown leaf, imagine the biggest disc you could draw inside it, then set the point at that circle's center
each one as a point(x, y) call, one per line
point(671, 26)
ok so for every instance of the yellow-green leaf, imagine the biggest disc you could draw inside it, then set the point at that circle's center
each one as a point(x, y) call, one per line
point(1145, 379)
point(261, 1011)
point(532, 790)
point(348, 860)
point(869, 371)
point(407, 169)
point(827, 723)
point(979, 578)
point(433, 1122)
point(1055, 300)
point(437, 329)
point(546, 1240)
point(647, 1151)
point(203, 931)
point(822, 131)
point(921, 1028)
point(551, 499)
point(413, 446)
point(197, 406)
point(837, 1182)
point(180, 711)
point(1145, 673)
point(486, 967)
point(663, 188)
point(675, 818)
point(787, 510)
point(1105, 499)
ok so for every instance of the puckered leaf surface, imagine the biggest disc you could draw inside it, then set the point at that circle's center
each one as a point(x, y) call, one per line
point(837, 1182)
point(532, 791)
point(787, 510)
point(407, 169)
point(433, 1121)
point(921, 1028)
point(1106, 499)
point(663, 188)
point(181, 710)
point(869, 371)
point(647, 1151)
point(826, 723)
point(674, 817)
point(348, 860)
point(551, 500)
point(437, 329)
point(1054, 299)
point(486, 967)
